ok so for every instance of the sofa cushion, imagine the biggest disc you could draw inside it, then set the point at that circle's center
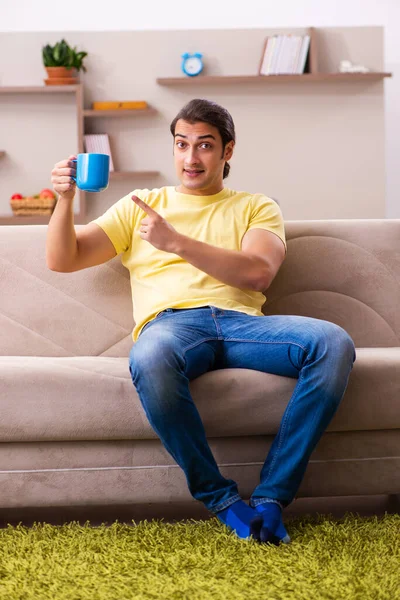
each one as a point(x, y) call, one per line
point(93, 398)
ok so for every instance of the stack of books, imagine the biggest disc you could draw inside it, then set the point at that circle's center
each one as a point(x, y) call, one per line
point(285, 55)
point(99, 143)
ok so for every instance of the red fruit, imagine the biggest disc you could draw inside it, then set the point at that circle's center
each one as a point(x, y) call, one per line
point(17, 197)
point(46, 193)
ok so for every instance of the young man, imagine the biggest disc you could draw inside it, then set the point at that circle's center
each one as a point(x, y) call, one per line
point(200, 256)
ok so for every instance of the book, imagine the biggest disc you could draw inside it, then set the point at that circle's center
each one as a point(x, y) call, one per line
point(294, 53)
point(280, 59)
point(269, 50)
point(303, 55)
point(276, 55)
point(99, 143)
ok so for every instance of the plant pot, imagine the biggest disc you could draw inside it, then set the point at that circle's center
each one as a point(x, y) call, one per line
point(61, 76)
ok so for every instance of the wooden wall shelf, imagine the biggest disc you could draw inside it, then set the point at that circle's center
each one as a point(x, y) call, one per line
point(39, 89)
point(271, 79)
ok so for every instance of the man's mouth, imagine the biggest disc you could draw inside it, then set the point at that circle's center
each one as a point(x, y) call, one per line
point(192, 172)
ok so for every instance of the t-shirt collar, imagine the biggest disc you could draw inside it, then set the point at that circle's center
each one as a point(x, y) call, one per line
point(191, 199)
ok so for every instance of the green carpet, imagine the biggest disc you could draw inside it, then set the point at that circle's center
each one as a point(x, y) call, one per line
point(354, 558)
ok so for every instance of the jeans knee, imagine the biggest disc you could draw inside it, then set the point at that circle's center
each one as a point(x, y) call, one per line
point(155, 358)
point(345, 345)
point(336, 342)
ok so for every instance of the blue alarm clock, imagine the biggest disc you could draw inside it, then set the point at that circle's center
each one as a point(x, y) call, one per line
point(192, 64)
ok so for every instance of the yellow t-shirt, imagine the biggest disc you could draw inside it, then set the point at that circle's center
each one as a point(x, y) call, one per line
point(160, 279)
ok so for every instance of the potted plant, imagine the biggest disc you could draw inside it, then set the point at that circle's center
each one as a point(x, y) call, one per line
point(62, 63)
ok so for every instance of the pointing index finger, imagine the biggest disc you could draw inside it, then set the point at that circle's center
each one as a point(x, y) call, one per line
point(147, 209)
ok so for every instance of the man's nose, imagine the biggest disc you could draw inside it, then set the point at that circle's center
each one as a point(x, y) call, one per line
point(191, 156)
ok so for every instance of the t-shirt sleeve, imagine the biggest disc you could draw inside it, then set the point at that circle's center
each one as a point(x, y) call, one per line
point(266, 214)
point(119, 220)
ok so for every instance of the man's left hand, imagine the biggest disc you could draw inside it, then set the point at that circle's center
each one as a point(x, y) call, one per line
point(156, 230)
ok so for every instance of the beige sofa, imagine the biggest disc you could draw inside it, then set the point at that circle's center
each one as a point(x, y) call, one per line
point(73, 432)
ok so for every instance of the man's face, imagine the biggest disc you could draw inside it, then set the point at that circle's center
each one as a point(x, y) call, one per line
point(199, 160)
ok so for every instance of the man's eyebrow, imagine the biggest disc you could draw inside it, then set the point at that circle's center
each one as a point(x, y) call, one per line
point(200, 137)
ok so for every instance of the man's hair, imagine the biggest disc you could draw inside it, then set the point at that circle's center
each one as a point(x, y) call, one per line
point(207, 111)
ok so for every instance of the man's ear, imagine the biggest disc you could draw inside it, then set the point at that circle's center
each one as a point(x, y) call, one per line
point(229, 150)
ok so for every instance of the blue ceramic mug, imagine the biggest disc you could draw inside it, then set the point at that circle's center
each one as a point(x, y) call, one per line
point(92, 172)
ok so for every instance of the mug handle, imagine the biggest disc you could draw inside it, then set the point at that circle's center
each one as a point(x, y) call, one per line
point(75, 161)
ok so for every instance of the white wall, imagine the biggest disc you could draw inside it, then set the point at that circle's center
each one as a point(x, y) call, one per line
point(91, 15)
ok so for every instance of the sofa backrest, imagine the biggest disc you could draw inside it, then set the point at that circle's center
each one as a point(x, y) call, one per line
point(345, 271)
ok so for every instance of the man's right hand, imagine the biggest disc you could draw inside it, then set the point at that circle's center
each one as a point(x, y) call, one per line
point(61, 178)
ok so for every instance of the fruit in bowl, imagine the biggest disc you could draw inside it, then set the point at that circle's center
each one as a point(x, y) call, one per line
point(37, 204)
point(46, 193)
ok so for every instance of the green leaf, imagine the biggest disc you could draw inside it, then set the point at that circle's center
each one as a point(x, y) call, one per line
point(56, 52)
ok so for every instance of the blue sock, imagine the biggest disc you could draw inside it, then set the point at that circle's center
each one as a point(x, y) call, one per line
point(272, 523)
point(238, 517)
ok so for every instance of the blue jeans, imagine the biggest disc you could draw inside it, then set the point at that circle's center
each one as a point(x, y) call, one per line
point(179, 345)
